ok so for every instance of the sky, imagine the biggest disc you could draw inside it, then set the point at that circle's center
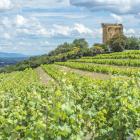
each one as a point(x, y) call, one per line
point(35, 27)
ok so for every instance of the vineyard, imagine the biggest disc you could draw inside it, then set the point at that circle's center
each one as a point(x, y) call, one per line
point(73, 106)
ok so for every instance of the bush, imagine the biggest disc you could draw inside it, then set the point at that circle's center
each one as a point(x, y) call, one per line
point(103, 46)
point(117, 43)
point(98, 50)
point(132, 43)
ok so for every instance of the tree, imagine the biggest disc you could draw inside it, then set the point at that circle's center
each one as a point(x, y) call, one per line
point(61, 49)
point(103, 46)
point(98, 50)
point(132, 43)
point(117, 43)
point(82, 43)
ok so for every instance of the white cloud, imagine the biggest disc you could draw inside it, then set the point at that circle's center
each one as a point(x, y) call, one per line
point(132, 32)
point(80, 28)
point(18, 25)
point(6, 23)
point(7, 36)
point(5, 4)
point(43, 3)
point(20, 20)
point(129, 32)
point(60, 29)
point(40, 30)
point(55, 30)
point(115, 6)
point(76, 29)
point(117, 18)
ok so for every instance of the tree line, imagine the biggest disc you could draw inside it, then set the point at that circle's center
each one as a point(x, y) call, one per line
point(77, 49)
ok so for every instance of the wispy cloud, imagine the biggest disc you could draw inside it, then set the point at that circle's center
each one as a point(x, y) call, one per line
point(116, 6)
point(5, 4)
point(117, 18)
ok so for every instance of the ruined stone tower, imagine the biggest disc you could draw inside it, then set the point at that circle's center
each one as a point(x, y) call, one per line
point(109, 30)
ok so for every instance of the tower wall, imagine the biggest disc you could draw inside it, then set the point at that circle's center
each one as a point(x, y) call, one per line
point(110, 30)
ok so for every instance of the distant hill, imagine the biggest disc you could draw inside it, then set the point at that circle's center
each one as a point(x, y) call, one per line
point(12, 55)
point(7, 59)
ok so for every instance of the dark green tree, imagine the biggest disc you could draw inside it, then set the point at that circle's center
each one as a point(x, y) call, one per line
point(82, 43)
point(103, 46)
point(117, 43)
point(132, 43)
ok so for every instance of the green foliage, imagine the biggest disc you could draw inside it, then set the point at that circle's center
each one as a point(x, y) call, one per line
point(62, 49)
point(135, 54)
point(117, 43)
point(133, 43)
point(117, 62)
point(71, 107)
point(66, 47)
point(100, 110)
point(103, 46)
point(101, 68)
point(98, 50)
point(82, 43)
point(21, 106)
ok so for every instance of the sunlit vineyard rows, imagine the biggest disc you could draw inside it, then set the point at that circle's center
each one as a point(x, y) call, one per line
point(73, 107)
point(121, 55)
point(102, 68)
point(118, 62)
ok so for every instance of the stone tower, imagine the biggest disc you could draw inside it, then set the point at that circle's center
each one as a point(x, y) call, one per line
point(109, 30)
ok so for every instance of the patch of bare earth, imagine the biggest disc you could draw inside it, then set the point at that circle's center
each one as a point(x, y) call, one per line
point(43, 76)
point(93, 75)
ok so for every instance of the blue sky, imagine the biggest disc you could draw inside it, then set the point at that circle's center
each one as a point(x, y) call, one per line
point(35, 27)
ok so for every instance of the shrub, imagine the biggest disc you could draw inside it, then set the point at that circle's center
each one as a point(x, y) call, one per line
point(117, 43)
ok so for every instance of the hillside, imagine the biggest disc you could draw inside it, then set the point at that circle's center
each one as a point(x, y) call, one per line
point(88, 98)
point(76, 49)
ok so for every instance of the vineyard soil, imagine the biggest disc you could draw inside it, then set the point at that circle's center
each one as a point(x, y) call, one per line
point(93, 75)
point(44, 77)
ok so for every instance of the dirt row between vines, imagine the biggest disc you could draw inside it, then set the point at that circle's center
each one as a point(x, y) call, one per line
point(43, 76)
point(93, 75)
